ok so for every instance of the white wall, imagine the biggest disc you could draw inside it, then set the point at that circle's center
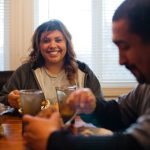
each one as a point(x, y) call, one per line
point(21, 30)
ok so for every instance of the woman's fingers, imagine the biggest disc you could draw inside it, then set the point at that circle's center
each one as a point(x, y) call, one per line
point(14, 99)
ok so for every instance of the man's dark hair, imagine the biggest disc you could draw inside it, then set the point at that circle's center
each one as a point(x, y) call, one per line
point(137, 14)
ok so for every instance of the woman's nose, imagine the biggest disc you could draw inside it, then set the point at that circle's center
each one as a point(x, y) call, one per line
point(52, 44)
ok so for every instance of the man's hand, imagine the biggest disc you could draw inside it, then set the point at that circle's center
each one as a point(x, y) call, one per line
point(37, 130)
point(46, 113)
point(83, 100)
point(14, 99)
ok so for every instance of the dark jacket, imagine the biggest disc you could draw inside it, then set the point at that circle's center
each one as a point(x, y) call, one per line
point(129, 117)
point(24, 78)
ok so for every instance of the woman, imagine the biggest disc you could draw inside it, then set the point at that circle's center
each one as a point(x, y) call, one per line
point(51, 63)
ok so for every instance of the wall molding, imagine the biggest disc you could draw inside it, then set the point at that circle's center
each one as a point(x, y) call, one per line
point(114, 92)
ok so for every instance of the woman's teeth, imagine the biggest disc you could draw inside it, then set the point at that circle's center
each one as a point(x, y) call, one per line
point(54, 53)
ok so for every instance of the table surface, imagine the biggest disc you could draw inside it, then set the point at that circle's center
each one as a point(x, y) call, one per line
point(12, 139)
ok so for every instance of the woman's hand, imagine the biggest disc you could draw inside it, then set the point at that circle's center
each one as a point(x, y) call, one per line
point(82, 100)
point(37, 130)
point(14, 99)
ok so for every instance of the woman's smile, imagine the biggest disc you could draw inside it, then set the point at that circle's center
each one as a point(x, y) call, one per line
point(53, 46)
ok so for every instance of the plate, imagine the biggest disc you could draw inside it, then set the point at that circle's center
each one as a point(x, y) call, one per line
point(89, 131)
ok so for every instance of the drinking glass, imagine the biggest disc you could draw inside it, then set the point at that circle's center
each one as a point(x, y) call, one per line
point(66, 112)
point(3, 110)
point(31, 101)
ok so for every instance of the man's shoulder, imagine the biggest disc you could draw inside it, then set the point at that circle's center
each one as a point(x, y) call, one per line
point(143, 87)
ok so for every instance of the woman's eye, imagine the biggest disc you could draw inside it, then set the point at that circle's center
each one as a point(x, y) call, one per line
point(58, 40)
point(45, 40)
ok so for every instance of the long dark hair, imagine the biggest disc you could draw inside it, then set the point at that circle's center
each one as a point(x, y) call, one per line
point(35, 55)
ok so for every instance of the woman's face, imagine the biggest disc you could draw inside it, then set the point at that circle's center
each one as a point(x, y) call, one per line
point(53, 47)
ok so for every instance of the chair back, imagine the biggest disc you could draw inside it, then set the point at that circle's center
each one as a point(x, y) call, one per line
point(4, 76)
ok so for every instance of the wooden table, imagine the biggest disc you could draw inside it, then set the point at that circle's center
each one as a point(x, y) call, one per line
point(12, 139)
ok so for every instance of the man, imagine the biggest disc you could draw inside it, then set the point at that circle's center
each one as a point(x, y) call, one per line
point(129, 117)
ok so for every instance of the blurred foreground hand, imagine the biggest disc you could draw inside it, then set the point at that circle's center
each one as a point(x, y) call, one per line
point(46, 113)
point(37, 130)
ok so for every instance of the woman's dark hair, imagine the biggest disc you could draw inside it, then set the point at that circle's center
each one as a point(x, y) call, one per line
point(35, 56)
point(137, 14)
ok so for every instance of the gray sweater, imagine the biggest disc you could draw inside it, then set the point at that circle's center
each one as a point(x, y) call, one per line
point(130, 114)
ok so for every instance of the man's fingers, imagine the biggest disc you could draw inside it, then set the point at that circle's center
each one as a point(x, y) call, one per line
point(29, 139)
point(55, 116)
point(28, 136)
point(27, 118)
